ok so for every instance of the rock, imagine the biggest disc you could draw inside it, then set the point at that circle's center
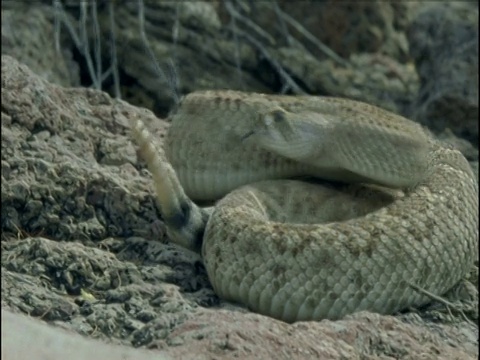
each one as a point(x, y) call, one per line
point(444, 43)
point(375, 27)
point(196, 45)
point(28, 35)
point(24, 338)
point(372, 78)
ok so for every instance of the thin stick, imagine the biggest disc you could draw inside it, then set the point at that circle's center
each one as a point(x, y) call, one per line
point(97, 49)
point(158, 69)
point(85, 49)
point(449, 305)
point(113, 51)
point(321, 46)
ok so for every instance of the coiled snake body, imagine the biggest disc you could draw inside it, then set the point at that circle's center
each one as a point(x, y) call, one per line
point(395, 209)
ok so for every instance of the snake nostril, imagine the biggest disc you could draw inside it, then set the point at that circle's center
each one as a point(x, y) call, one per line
point(272, 117)
point(278, 115)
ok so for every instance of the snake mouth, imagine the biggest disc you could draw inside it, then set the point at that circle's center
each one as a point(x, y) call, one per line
point(247, 135)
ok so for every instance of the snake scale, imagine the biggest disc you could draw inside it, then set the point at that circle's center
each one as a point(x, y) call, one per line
point(325, 206)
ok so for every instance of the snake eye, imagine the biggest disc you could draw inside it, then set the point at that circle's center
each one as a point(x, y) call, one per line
point(274, 117)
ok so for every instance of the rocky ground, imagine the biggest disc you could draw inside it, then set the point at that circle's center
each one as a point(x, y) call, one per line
point(83, 246)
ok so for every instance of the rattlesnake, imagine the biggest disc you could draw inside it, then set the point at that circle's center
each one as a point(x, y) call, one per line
point(303, 248)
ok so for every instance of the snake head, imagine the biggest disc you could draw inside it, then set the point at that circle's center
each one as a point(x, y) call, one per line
point(297, 136)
